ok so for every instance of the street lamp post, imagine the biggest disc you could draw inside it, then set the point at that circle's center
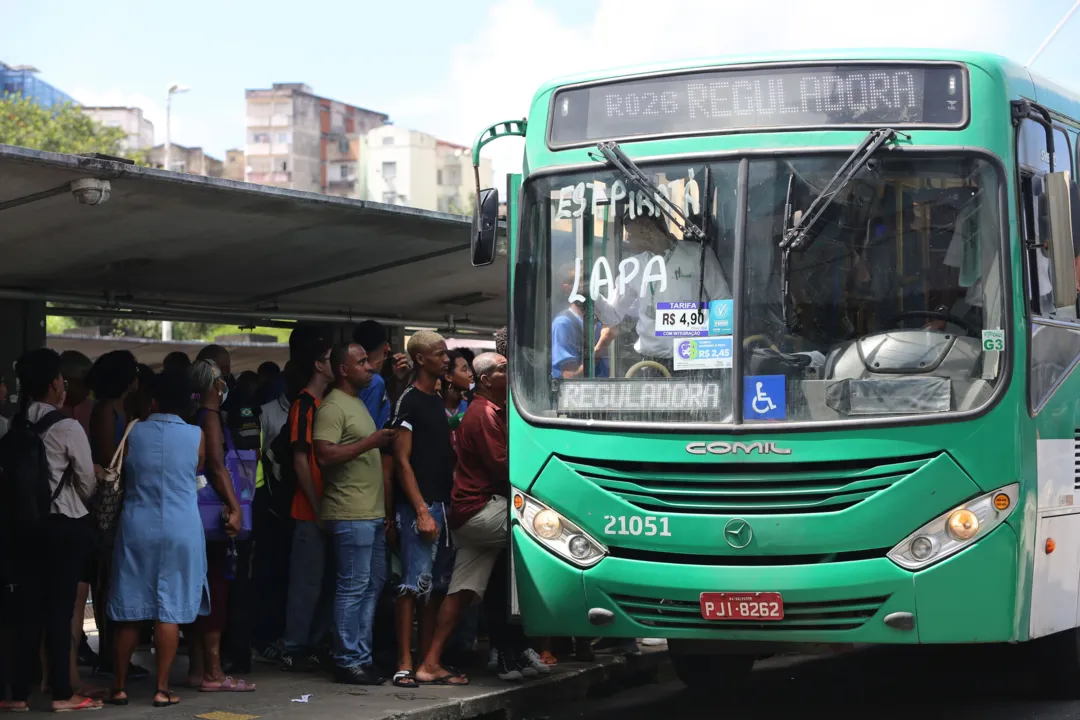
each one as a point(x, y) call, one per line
point(166, 325)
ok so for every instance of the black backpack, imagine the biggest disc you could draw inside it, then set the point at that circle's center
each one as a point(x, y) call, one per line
point(279, 473)
point(25, 497)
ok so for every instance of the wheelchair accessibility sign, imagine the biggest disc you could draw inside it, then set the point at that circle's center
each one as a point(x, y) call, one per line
point(764, 397)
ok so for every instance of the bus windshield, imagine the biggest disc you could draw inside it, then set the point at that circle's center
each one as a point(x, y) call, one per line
point(894, 306)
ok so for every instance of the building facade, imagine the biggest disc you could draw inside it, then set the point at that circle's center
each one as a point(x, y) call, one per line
point(299, 140)
point(23, 80)
point(406, 167)
point(139, 132)
point(235, 163)
point(191, 160)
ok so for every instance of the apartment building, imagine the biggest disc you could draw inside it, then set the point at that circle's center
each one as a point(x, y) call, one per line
point(299, 140)
point(138, 130)
point(406, 167)
point(191, 160)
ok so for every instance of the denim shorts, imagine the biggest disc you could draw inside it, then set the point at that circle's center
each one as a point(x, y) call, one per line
point(426, 567)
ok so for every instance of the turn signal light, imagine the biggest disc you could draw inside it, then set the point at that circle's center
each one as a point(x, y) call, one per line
point(519, 502)
point(1050, 545)
point(1001, 502)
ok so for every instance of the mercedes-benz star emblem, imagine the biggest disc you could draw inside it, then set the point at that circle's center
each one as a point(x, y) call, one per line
point(738, 533)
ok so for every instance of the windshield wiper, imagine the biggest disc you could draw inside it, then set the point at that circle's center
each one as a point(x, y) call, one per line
point(798, 237)
point(618, 159)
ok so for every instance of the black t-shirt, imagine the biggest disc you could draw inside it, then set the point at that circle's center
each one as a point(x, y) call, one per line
point(432, 456)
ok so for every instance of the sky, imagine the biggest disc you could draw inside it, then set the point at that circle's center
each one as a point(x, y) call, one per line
point(453, 68)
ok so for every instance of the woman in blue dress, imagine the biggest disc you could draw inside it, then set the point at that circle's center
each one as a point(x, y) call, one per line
point(159, 560)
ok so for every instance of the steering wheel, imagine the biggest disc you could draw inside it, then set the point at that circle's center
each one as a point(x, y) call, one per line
point(639, 366)
point(934, 314)
point(761, 339)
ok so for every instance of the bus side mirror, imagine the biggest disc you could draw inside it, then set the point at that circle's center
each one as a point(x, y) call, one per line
point(1059, 194)
point(484, 228)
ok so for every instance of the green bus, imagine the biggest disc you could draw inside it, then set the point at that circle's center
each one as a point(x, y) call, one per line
point(792, 342)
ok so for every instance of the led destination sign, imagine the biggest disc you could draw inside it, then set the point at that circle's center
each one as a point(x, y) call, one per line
point(765, 97)
point(651, 396)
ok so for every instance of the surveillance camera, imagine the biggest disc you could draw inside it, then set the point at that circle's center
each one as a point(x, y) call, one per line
point(90, 191)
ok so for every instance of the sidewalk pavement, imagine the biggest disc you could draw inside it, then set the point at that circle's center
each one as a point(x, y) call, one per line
point(486, 696)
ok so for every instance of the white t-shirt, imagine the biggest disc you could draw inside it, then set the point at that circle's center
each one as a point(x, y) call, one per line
point(683, 285)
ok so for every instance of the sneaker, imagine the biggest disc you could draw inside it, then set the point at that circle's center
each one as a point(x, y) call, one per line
point(357, 676)
point(269, 655)
point(653, 642)
point(531, 664)
point(294, 663)
point(507, 669)
point(493, 660)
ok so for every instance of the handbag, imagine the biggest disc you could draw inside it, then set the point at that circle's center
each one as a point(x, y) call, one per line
point(109, 499)
point(242, 466)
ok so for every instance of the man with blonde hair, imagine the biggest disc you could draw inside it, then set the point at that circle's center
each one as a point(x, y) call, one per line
point(424, 466)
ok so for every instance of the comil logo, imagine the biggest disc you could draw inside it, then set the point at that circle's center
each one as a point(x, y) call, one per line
point(726, 448)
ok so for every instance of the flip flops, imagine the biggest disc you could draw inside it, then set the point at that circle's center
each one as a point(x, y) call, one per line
point(447, 680)
point(87, 704)
point(173, 699)
point(228, 685)
point(6, 707)
point(405, 679)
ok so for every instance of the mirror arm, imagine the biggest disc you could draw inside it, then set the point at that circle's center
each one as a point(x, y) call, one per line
point(503, 129)
point(1027, 110)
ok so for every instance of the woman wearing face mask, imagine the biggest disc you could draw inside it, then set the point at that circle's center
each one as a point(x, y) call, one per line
point(209, 393)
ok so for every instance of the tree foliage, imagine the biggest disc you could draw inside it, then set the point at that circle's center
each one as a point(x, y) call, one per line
point(61, 129)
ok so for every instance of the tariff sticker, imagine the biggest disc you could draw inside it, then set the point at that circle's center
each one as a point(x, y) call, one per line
point(993, 340)
point(705, 353)
point(682, 319)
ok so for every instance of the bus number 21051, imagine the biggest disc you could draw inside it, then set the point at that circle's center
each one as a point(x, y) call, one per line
point(648, 525)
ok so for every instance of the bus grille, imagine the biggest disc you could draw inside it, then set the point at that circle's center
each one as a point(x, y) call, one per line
point(683, 615)
point(746, 488)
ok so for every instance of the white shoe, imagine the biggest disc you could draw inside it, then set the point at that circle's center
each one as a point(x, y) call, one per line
point(653, 642)
point(531, 664)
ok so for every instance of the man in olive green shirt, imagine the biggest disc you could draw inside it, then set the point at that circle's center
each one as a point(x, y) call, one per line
point(353, 511)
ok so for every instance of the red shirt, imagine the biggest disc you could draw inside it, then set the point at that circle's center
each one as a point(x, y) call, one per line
point(481, 463)
point(301, 420)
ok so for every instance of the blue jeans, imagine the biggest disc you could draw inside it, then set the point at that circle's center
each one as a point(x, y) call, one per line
point(311, 591)
point(360, 552)
point(425, 566)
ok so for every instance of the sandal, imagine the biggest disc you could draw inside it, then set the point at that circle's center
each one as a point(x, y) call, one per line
point(405, 679)
point(173, 699)
point(113, 700)
point(87, 704)
point(447, 679)
point(548, 659)
point(9, 707)
point(228, 685)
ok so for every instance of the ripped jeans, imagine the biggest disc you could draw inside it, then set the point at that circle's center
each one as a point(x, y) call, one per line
point(425, 566)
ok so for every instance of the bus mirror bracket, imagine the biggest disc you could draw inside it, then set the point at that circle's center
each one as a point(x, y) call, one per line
point(486, 213)
point(1060, 195)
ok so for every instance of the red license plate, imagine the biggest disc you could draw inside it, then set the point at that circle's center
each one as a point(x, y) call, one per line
point(757, 606)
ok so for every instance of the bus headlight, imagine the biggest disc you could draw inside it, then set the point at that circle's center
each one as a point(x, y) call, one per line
point(556, 533)
point(951, 532)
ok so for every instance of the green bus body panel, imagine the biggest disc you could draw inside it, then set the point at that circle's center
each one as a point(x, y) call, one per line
point(919, 470)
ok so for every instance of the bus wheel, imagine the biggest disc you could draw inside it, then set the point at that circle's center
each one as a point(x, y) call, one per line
point(1058, 658)
point(725, 674)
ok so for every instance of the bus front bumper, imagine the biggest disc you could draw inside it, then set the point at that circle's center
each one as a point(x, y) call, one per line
point(969, 598)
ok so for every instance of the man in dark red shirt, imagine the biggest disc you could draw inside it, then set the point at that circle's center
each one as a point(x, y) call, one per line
point(478, 513)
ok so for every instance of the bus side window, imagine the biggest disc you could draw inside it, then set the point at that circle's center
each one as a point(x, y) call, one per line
point(1034, 163)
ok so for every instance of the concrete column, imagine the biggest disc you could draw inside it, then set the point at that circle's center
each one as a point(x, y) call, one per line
point(22, 328)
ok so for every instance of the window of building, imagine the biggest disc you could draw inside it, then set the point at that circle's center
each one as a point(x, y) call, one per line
point(284, 164)
point(438, 177)
point(344, 172)
point(389, 170)
point(388, 140)
point(283, 137)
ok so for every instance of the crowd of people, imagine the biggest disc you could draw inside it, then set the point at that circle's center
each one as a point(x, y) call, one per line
point(345, 514)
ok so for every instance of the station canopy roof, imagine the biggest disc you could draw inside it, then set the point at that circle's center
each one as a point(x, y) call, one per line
point(206, 249)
